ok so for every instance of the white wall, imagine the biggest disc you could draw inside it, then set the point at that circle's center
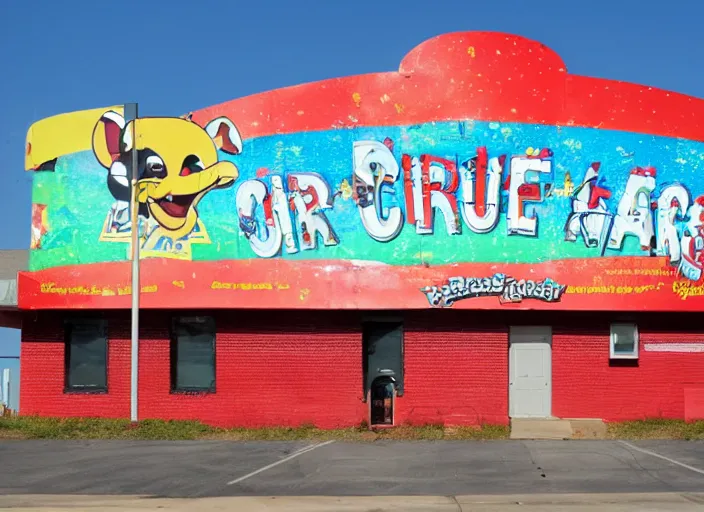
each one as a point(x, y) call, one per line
point(10, 346)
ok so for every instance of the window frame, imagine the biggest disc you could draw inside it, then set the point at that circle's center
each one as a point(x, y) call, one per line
point(173, 357)
point(635, 354)
point(68, 325)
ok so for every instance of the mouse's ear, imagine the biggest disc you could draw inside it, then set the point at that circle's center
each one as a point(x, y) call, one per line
point(225, 135)
point(106, 137)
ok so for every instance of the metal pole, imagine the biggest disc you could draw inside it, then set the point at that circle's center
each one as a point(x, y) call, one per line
point(132, 115)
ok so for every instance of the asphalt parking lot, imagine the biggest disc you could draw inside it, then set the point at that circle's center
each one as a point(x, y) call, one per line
point(386, 468)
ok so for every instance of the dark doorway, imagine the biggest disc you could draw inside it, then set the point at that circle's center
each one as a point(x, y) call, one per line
point(382, 401)
point(383, 368)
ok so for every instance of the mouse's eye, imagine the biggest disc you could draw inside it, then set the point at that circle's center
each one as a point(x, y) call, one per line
point(191, 165)
point(154, 167)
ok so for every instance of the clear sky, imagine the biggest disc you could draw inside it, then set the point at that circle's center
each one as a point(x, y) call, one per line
point(174, 56)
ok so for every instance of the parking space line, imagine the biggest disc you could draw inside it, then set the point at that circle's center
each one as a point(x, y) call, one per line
point(668, 459)
point(286, 459)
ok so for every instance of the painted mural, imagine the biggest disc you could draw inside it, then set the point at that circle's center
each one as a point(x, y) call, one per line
point(527, 196)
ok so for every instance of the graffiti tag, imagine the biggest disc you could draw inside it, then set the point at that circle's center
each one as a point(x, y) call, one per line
point(506, 288)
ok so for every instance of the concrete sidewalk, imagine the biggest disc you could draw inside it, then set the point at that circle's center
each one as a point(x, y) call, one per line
point(645, 502)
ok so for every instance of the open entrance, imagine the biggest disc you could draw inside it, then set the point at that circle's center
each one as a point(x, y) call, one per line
point(382, 401)
point(383, 369)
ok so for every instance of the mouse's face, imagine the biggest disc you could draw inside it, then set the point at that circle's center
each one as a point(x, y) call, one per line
point(177, 164)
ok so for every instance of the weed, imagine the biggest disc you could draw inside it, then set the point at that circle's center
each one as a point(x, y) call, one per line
point(34, 427)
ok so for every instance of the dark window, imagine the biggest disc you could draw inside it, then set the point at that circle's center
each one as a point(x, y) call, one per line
point(193, 354)
point(86, 354)
point(383, 353)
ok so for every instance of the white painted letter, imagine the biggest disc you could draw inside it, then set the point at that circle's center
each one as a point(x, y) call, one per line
point(374, 167)
point(633, 215)
point(309, 195)
point(525, 178)
point(589, 212)
point(478, 194)
point(672, 203)
point(281, 213)
point(431, 182)
point(251, 193)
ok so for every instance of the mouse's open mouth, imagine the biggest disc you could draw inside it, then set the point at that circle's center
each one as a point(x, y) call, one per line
point(176, 206)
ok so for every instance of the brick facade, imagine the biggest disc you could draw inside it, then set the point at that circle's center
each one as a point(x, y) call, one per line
point(293, 368)
point(454, 375)
point(587, 385)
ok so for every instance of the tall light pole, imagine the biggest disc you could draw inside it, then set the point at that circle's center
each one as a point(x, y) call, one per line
point(131, 116)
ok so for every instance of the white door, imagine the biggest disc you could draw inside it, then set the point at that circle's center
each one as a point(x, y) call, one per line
point(530, 372)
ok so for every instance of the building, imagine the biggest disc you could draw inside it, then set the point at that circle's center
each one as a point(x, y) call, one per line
point(477, 237)
point(11, 262)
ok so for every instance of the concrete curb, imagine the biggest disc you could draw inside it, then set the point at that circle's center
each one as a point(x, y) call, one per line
point(475, 503)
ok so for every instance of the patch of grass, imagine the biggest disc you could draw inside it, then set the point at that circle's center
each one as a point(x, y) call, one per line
point(33, 427)
point(483, 433)
point(657, 429)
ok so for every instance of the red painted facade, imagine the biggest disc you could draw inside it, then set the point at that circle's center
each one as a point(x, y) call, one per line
point(289, 348)
point(587, 385)
point(307, 369)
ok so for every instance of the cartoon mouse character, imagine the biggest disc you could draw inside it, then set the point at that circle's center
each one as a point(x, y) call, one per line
point(177, 165)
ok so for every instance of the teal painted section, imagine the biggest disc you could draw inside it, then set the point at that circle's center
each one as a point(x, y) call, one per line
point(78, 199)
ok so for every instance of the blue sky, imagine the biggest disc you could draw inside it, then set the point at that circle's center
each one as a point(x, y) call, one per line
point(173, 56)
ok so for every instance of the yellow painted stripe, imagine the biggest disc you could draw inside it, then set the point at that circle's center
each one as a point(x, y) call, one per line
point(62, 134)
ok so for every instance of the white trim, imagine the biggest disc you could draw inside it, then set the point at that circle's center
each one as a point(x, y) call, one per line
point(674, 347)
point(631, 355)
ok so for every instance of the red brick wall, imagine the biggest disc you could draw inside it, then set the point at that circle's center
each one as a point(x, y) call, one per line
point(42, 372)
point(279, 369)
point(587, 385)
point(292, 368)
point(454, 374)
point(302, 372)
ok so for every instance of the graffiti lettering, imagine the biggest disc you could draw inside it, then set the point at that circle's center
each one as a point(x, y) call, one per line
point(672, 206)
point(481, 181)
point(264, 238)
point(676, 229)
point(692, 242)
point(309, 194)
point(290, 212)
point(431, 182)
point(685, 289)
point(277, 209)
point(589, 218)
point(375, 171)
point(633, 215)
point(507, 288)
point(526, 175)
